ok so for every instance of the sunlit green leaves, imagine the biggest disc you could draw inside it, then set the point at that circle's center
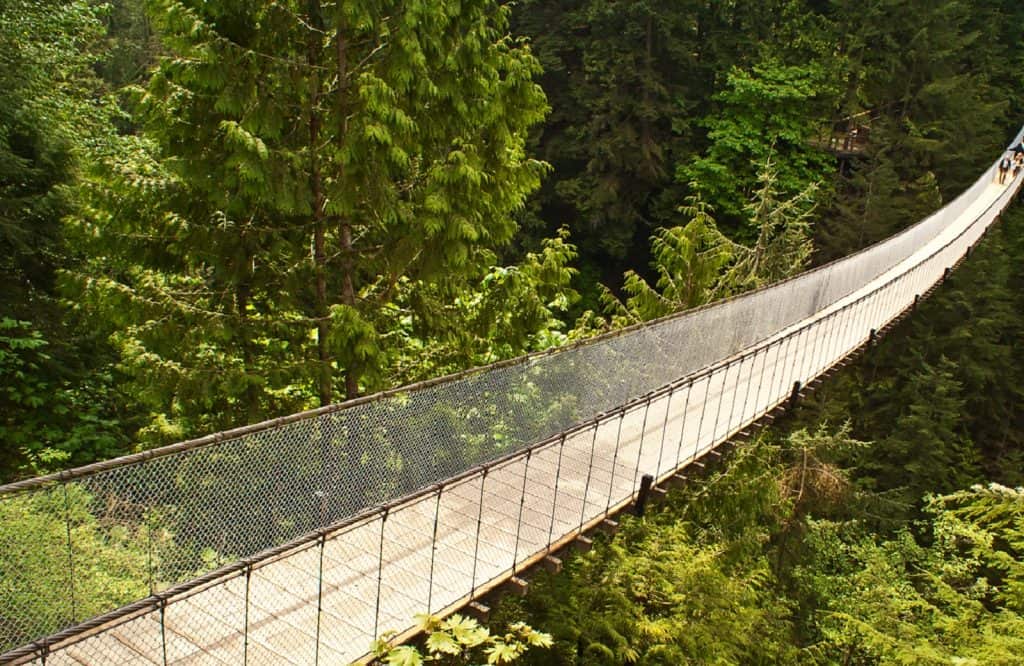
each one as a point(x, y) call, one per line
point(462, 640)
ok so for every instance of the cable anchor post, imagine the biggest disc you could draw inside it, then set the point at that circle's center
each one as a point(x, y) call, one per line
point(794, 396)
point(643, 494)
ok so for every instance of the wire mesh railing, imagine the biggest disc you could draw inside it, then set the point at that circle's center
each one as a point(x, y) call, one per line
point(300, 540)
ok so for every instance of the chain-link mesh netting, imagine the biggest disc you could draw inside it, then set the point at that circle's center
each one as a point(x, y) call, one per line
point(75, 548)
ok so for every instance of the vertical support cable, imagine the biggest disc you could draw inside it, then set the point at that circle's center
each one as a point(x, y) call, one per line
point(479, 523)
point(71, 555)
point(703, 410)
point(682, 423)
point(775, 368)
point(750, 384)
point(879, 309)
point(643, 433)
point(380, 574)
point(849, 325)
point(522, 503)
point(149, 545)
point(894, 297)
point(320, 597)
point(433, 550)
point(890, 299)
point(718, 405)
point(821, 357)
point(554, 497)
point(149, 560)
point(844, 329)
point(163, 630)
point(664, 431)
point(245, 620)
point(812, 358)
point(842, 332)
point(779, 371)
point(615, 462)
point(797, 355)
point(830, 340)
point(735, 392)
point(879, 305)
point(800, 352)
point(896, 305)
point(758, 409)
point(835, 345)
point(590, 471)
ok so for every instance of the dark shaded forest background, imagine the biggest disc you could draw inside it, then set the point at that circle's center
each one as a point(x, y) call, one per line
point(213, 213)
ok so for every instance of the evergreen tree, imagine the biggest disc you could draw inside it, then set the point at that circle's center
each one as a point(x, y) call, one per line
point(309, 162)
point(763, 117)
point(57, 404)
point(697, 263)
point(619, 76)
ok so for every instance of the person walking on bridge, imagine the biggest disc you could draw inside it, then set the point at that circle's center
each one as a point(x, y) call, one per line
point(1004, 168)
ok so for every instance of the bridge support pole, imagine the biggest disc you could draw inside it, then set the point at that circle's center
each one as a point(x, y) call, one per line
point(794, 396)
point(873, 338)
point(645, 492)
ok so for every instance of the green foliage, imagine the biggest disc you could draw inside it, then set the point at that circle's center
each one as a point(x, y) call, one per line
point(59, 403)
point(46, 421)
point(110, 566)
point(690, 262)
point(461, 640)
point(24, 390)
point(697, 263)
point(616, 74)
point(47, 112)
point(763, 118)
point(312, 203)
point(628, 84)
point(902, 601)
point(696, 582)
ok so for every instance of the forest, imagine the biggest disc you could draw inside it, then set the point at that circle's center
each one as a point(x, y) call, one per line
point(218, 212)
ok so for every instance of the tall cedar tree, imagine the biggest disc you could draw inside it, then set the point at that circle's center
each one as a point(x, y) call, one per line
point(311, 159)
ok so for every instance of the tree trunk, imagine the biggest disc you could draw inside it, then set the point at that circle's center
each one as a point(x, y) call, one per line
point(647, 140)
point(319, 225)
point(348, 290)
point(243, 294)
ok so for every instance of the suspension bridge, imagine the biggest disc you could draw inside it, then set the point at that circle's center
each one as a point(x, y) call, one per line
point(300, 540)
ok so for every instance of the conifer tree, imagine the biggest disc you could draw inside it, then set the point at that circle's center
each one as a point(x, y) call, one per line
point(622, 81)
point(697, 263)
point(301, 164)
point(53, 114)
point(763, 116)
